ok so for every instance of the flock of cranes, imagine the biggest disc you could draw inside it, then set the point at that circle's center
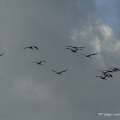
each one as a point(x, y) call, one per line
point(75, 49)
point(40, 62)
point(107, 73)
point(104, 73)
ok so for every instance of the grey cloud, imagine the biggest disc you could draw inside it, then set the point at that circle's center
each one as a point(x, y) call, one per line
point(29, 91)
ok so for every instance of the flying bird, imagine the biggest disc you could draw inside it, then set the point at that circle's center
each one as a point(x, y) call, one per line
point(59, 72)
point(2, 54)
point(102, 77)
point(114, 69)
point(106, 73)
point(31, 47)
point(73, 50)
point(108, 70)
point(89, 54)
point(75, 47)
point(39, 63)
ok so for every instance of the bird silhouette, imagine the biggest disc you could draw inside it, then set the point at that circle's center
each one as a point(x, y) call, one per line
point(105, 73)
point(39, 63)
point(102, 77)
point(89, 54)
point(108, 70)
point(59, 72)
point(31, 47)
point(75, 47)
point(114, 69)
point(73, 50)
point(2, 54)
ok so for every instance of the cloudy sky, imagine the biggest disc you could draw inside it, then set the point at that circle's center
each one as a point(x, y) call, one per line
point(32, 92)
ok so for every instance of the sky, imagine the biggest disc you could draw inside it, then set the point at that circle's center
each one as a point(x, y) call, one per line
point(33, 92)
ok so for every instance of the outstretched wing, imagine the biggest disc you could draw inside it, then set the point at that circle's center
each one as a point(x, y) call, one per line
point(97, 76)
point(54, 71)
point(2, 54)
point(81, 47)
point(25, 48)
point(108, 70)
point(68, 48)
point(63, 71)
point(41, 62)
point(36, 47)
point(82, 54)
point(75, 47)
point(34, 62)
point(110, 75)
point(93, 54)
point(104, 78)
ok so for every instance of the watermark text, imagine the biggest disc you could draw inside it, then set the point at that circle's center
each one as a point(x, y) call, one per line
point(108, 114)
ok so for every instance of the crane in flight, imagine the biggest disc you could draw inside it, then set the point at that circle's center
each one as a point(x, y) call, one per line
point(89, 55)
point(75, 47)
point(59, 72)
point(31, 47)
point(73, 50)
point(102, 77)
point(114, 69)
point(106, 73)
point(39, 63)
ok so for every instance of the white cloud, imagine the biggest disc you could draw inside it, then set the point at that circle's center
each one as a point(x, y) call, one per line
point(100, 38)
point(106, 31)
